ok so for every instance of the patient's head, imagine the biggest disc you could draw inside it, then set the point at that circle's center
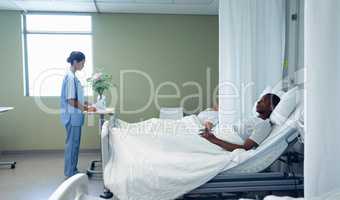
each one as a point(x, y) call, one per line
point(266, 105)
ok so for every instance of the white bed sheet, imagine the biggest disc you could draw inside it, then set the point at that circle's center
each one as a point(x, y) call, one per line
point(149, 164)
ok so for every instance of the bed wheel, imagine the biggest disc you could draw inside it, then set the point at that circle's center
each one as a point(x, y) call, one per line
point(106, 195)
point(13, 165)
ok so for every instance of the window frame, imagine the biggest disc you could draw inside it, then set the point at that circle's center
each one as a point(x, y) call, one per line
point(25, 32)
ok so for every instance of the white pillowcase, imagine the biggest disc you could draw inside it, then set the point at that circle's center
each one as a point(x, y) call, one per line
point(286, 106)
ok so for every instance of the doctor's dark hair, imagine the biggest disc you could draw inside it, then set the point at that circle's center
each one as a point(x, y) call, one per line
point(75, 56)
point(274, 99)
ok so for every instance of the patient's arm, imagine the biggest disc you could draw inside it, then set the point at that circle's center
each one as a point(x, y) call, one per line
point(248, 144)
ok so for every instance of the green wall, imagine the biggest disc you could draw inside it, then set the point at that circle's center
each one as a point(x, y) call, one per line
point(176, 48)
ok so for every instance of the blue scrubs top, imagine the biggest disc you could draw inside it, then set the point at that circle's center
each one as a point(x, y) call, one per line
point(71, 89)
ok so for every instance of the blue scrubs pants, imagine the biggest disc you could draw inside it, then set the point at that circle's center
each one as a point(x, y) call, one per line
point(72, 145)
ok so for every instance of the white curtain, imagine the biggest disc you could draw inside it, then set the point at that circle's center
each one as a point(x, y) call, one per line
point(322, 59)
point(251, 53)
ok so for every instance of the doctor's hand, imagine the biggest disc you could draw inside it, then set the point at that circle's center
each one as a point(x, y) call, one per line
point(91, 109)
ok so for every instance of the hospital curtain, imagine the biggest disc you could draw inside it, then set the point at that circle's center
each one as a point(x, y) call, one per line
point(322, 59)
point(251, 52)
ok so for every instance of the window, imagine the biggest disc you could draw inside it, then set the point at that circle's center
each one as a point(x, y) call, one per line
point(48, 41)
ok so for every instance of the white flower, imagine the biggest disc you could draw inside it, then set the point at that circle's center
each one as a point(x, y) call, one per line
point(97, 76)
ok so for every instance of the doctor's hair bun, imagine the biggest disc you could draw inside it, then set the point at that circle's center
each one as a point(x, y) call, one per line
point(75, 56)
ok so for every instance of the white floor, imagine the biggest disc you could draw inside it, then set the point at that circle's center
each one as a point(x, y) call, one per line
point(37, 175)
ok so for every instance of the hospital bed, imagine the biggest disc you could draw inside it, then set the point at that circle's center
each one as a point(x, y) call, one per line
point(251, 175)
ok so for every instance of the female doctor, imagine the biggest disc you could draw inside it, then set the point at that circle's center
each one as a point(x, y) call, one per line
point(72, 107)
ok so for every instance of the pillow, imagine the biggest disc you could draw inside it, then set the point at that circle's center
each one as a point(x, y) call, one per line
point(286, 106)
point(278, 88)
point(279, 93)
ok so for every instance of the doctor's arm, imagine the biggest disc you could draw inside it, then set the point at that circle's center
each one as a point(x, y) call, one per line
point(75, 103)
point(248, 144)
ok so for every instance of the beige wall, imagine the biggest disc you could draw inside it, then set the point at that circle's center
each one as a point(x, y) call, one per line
point(177, 48)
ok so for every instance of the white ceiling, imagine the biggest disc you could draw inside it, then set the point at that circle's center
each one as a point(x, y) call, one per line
point(200, 7)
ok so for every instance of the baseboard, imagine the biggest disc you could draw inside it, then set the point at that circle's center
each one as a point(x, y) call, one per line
point(44, 151)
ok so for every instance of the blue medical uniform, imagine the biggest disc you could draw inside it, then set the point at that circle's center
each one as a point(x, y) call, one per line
point(72, 118)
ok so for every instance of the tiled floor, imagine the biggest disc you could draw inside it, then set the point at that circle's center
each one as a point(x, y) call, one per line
point(37, 175)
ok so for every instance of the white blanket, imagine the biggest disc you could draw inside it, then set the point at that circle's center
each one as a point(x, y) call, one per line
point(163, 159)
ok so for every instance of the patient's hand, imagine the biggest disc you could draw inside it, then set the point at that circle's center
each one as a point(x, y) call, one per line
point(209, 136)
point(208, 125)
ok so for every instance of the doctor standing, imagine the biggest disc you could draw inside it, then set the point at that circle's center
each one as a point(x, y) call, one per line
point(72, 107)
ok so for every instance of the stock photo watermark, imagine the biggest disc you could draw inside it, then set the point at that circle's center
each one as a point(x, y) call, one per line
point(239, 97)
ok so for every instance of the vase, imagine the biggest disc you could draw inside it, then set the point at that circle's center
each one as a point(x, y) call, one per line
point(101, 102)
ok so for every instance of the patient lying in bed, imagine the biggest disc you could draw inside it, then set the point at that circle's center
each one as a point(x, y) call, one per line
point(253, 131)
point(161, 159)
